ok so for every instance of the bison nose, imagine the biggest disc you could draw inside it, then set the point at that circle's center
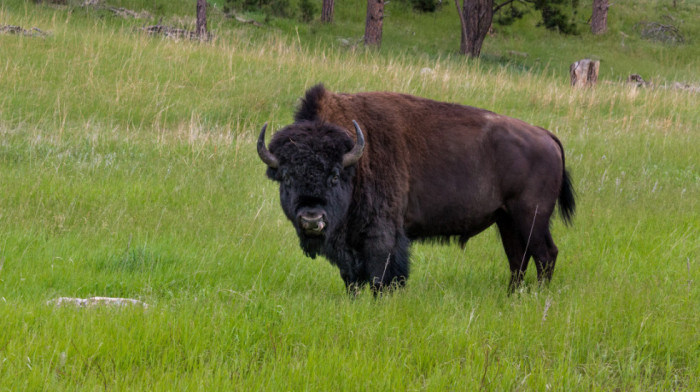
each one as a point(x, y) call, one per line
point(312, 222)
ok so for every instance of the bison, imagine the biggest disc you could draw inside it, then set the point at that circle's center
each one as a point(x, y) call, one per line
point(363, 175)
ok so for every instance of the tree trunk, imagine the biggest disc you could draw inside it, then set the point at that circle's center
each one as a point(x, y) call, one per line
point(475, 16)
point(201, 29)
point(327, 11)
point(374, 22)
point(599, 19)
point(584, 73)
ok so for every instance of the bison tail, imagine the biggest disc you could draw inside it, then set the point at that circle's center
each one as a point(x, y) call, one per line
point(567, 199)
point(567, 195)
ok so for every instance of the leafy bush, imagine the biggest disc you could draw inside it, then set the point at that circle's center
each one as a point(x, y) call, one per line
point(281, 8)
point(307, 10)
point(426, 5)
point(423, 5)
point(555, 14)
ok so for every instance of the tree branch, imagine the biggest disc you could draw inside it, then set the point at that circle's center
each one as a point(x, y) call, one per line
point(499, 6)
point(461, 20)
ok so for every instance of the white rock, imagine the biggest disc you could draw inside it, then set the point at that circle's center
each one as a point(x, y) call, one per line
point(95, 301)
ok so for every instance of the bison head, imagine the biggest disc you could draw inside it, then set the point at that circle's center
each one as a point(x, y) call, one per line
point(314, 164)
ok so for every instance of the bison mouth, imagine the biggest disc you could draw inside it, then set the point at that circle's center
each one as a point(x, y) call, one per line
point(314, 231)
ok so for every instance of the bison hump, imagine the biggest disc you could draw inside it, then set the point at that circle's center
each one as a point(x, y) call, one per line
point(309, 105)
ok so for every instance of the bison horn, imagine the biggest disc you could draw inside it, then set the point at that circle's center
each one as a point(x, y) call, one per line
point(351, 157)
point(265, 155)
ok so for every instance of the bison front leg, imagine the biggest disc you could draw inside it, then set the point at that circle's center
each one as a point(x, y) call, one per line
point(353, 288)
point(387, 262)
point(352, 277)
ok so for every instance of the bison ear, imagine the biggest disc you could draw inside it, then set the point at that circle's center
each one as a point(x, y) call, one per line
point(272, 174)
point(354, 155)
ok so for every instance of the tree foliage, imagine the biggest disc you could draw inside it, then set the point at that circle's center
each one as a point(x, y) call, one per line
point(281, 8)
point(307, 10)
point(424, 5)
point(556, 15)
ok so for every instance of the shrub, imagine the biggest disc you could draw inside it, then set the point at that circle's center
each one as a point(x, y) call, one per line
point(281, 8)
point(307, 10)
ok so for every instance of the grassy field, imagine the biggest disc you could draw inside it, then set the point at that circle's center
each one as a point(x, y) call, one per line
point(128, 168)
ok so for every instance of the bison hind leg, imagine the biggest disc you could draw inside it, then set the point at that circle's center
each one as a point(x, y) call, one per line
point(515, 251)
point(525, 233)
point(546, 258)
point(539, 243)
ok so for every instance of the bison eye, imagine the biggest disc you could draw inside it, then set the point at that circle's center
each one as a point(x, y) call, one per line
point(334, 179)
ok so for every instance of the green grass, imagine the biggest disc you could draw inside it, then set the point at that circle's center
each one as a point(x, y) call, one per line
point(128, 168)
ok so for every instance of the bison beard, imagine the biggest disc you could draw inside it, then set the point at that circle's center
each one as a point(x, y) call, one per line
point(427, 170)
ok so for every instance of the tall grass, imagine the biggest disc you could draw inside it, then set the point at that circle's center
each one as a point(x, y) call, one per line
point(127, 168)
